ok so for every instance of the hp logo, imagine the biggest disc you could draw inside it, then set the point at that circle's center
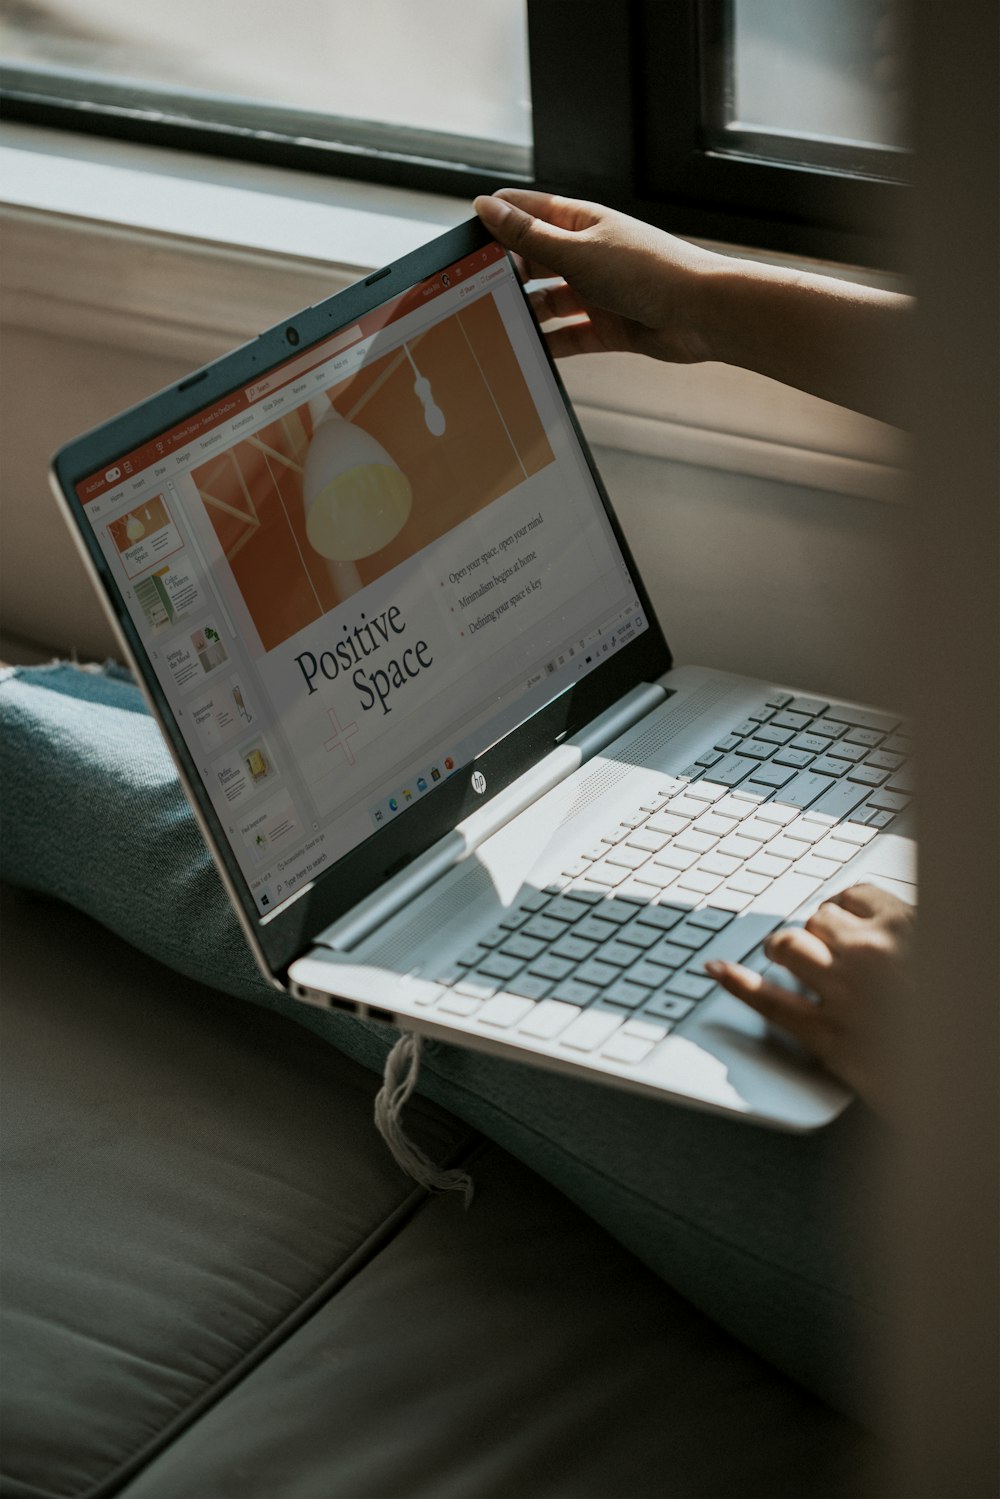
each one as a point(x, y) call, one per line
point(478, 782)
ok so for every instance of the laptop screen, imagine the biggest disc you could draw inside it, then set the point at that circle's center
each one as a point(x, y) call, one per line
point(356, 573)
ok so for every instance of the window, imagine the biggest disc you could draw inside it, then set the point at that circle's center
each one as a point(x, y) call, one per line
point(763, 122)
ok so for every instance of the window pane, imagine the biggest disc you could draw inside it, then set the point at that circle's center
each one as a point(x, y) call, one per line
point(419, 64)
point(832, 69)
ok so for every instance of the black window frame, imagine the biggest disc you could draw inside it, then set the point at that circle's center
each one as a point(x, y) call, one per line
point(620, 90)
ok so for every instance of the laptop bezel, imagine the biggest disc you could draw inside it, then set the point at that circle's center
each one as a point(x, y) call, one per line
point(282, 936)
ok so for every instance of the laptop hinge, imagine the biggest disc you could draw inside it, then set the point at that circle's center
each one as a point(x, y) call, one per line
point(466, 836)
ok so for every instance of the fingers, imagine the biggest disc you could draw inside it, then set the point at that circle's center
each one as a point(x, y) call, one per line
point(871, 900)
point(574, 338)
point(555, 302)
point(563, 213)
point(803, 953)
point(783, 1007)
point(538, 227)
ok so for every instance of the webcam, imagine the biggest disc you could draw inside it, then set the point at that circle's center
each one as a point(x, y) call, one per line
point(292, 334)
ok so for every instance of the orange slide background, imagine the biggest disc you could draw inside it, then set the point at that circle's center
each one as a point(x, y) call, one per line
point(493, 440)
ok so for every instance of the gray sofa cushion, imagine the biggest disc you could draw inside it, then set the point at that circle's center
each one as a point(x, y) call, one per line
point(218, 1284)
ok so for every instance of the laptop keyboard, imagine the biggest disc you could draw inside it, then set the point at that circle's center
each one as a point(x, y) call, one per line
point(610, 957)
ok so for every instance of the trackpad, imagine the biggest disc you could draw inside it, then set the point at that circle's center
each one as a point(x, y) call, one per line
point(902, 888)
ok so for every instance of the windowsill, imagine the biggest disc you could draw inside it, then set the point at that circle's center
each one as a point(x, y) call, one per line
point(146, 248)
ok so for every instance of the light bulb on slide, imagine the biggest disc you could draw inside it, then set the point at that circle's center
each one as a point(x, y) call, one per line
point(356, 498)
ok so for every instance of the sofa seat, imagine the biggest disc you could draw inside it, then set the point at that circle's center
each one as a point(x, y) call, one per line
point(217, 1282)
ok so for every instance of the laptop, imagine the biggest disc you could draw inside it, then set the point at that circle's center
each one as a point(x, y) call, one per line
point(368, 577)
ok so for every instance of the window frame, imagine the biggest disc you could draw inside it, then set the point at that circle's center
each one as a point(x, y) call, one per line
point(636, 141)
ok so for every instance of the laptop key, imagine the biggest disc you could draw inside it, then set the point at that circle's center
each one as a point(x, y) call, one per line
point(810, 705)
point(627, 1049)
point(689, 935)
point(505, 1010)
point(713, 921)
point(627, 996)
point(815, 744)
point(787, 720)
point(888, 801)
point(531, 900)
point(627, 857)
point(618, 954)
point(595, 972)
point(669, 954)
point(716, 863)
point(835, 849)
point(548, 1019)
point(797, 759)
point(663, 916)
point(638, 936)
point(590, 1030)
point(459, 1004)
point(477, 986)
point(884, 760)
point(732, 770)
point(530, 985)
point(867, 775)
point(651, 975)
point(574, 948)
point(690, 985)
point(593, 929)
point(826, 765)
point(500, 967)
point(841, 800)
point(806, 788)
point(551, 967)
point(771, 776)
point(544, 928)
point(520, 946)
point(765, 863)
point(669, 1006)
point(771, 734)
point(756, 749)
point(572, 992)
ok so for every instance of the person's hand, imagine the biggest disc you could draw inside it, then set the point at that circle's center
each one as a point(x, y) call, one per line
point(628, 286)
point(854, 954)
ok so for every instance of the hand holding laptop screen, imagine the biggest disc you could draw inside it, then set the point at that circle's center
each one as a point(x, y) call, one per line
point(638, 289)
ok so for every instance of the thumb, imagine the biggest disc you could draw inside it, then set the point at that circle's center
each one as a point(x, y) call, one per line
point(542, 246)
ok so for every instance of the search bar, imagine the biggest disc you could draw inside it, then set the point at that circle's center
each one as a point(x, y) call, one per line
point(309, 361)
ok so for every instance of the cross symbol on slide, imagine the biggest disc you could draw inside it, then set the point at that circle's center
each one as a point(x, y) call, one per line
point(340, 738)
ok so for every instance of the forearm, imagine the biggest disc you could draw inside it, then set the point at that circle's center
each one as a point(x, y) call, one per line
point(834, 339)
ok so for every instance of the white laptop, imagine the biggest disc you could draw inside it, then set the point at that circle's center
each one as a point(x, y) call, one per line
point(367, 574)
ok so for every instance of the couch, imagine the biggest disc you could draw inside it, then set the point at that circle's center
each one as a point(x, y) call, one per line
point(217, 1284)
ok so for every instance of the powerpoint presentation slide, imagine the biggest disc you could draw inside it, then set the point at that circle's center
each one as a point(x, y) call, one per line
point(269, 827)
point(145, 537)
point(345, 488)
point(246, 771)
point(363, 693)
point(167, 595)
point(222, 712)
point(197, 655)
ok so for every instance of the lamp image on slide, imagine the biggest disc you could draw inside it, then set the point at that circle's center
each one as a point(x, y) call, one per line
point(357, 499)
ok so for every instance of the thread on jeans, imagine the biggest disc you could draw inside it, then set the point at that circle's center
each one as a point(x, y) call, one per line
point(402, 1067)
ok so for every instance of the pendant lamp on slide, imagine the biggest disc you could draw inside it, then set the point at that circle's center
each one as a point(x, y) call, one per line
point(357, 499)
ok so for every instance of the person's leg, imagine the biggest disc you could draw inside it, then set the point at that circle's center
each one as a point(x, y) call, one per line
point(769, 1234)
